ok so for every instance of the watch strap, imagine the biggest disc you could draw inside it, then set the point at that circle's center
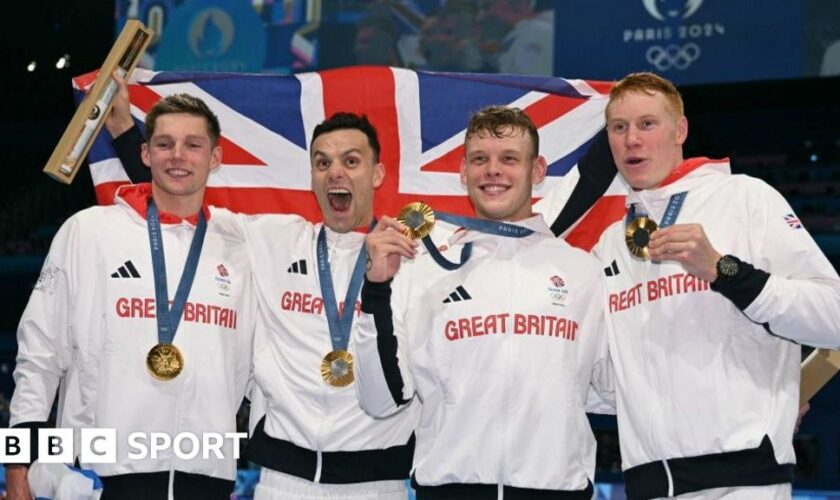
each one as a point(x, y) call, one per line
point(744, 287)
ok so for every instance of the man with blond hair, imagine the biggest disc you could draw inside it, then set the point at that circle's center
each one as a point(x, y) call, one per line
point(712, 284)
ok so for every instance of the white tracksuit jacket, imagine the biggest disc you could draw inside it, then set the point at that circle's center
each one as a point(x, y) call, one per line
point(697, 375)
point(500, 353)
point(307, 420)
point(91, 321)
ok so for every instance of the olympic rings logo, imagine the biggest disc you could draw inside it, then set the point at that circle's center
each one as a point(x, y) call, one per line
point(673, 56)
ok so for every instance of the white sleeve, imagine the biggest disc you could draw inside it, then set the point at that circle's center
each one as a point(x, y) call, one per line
point(45, 348)
point(384, 384)
point(601, 396)
point(801, 298)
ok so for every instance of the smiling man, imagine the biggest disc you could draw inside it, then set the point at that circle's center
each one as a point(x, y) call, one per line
point(501, 352)
point(706, 314)
point(113, 324)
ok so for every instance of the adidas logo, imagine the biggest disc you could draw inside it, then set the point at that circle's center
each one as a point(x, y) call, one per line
point(612, 270)
point(298, 267)
point(457, 296)
point(126, 270)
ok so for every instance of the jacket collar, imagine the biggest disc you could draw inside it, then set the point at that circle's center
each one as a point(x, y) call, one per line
point(682, 178)
point(535, 222)
point(137, 196)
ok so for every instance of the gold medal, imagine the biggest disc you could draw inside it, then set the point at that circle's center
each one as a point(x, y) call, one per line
point(164, 361)
point(418, 218)
point(637, 236)
point(337, 368)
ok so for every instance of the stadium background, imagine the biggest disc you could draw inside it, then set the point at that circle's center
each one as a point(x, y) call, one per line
point(760, 81)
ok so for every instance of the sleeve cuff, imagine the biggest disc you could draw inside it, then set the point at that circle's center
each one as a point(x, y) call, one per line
point(375, 296)
point(129, 138)
point(33, 438)
point(745, 287)
point(128, 146)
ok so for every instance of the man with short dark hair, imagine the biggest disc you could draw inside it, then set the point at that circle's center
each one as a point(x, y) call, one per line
point(314, 441)
point(500, 350)
point(712, 285)
point(132, 347)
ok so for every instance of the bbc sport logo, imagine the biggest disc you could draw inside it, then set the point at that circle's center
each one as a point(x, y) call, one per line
point(99, 446)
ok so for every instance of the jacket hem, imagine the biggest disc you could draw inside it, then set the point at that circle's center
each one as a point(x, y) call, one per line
point(481, 491)
point(337, 467)
point(749, 467)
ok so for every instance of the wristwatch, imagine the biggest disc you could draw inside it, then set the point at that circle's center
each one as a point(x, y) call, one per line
point(727, 268)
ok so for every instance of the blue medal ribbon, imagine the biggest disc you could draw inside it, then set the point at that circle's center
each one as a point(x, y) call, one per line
point(339, 324)
point(169, 318)
point(675, 204)
point(482, 225)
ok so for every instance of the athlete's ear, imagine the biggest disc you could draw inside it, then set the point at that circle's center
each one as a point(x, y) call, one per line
point(378, 175)
point(538, 170)
point(216, 157)
point(145, 156)
point(682, 130)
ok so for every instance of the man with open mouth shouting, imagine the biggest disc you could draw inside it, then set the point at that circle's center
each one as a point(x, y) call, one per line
point(314, 441)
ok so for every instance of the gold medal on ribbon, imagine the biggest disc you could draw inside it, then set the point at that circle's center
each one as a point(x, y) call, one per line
point(637, 236)
point(337, 368)
point(164, 361)
point(419, 218)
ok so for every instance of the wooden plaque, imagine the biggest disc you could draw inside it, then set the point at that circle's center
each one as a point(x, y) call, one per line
point(79, 135)
point(817, 370)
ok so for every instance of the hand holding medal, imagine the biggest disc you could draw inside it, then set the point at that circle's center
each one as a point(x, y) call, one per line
point(386, 245)
point(688, 245)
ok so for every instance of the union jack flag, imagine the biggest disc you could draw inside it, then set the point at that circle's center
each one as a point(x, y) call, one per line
point(267, 122)
point(793, 221)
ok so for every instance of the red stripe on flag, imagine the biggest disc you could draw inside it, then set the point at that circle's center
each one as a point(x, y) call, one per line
point(370, 90)
point(601, 87)
point(83, 81)
point(269, 200)
point(542, 112)
point(450, 162)
point(232, 155)
point(551, 107)
point(143, 97)
point(604, 212)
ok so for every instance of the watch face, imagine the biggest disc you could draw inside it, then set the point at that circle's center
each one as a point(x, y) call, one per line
point(727, 266)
